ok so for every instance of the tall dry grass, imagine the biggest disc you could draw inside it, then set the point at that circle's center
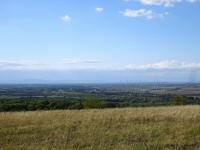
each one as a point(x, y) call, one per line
point(128, 128)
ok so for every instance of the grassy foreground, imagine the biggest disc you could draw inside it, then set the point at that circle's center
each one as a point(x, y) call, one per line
point(127, 128)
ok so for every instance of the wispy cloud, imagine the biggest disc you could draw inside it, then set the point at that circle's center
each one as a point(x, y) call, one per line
point(149, 14)
point(45, 65)
point(10, 64)
point(99, 9)
point(165, 3)
point(193, 1)
point(66, 18)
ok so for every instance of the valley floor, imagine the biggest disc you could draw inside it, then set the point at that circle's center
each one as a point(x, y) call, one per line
point(126, 128)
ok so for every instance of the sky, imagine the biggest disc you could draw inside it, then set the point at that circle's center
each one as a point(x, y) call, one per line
point(99, 40)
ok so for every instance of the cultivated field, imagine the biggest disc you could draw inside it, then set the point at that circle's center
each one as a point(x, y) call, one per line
point(126, 128)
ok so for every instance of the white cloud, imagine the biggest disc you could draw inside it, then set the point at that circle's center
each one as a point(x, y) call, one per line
point(149, 14)
point(167, 64)
point(99, 9)
point(66, 18)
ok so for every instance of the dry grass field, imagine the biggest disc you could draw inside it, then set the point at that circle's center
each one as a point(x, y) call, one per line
point(128, 128)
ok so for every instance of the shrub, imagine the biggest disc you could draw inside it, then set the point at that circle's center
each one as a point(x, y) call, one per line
point(179, 100)
point(93, 102)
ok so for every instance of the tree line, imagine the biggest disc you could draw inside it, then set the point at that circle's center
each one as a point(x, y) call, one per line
point(86, 103)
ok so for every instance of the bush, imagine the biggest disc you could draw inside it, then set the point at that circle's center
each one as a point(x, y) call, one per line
point(93, 102)
point(179, 100)
point(76, 105)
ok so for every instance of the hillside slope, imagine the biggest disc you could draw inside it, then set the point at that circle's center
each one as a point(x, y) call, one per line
point(127, 128)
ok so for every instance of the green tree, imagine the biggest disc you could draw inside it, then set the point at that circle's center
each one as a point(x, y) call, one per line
point(93, 102)
point(179, 100)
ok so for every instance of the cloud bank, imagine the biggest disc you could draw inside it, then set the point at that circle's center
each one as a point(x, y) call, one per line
point(95, 65)
point(94, 71)
point(167, 64)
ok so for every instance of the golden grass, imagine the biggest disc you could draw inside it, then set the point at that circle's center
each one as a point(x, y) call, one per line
point(128, 128)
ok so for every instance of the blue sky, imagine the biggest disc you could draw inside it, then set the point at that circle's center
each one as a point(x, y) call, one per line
point(114, 35)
